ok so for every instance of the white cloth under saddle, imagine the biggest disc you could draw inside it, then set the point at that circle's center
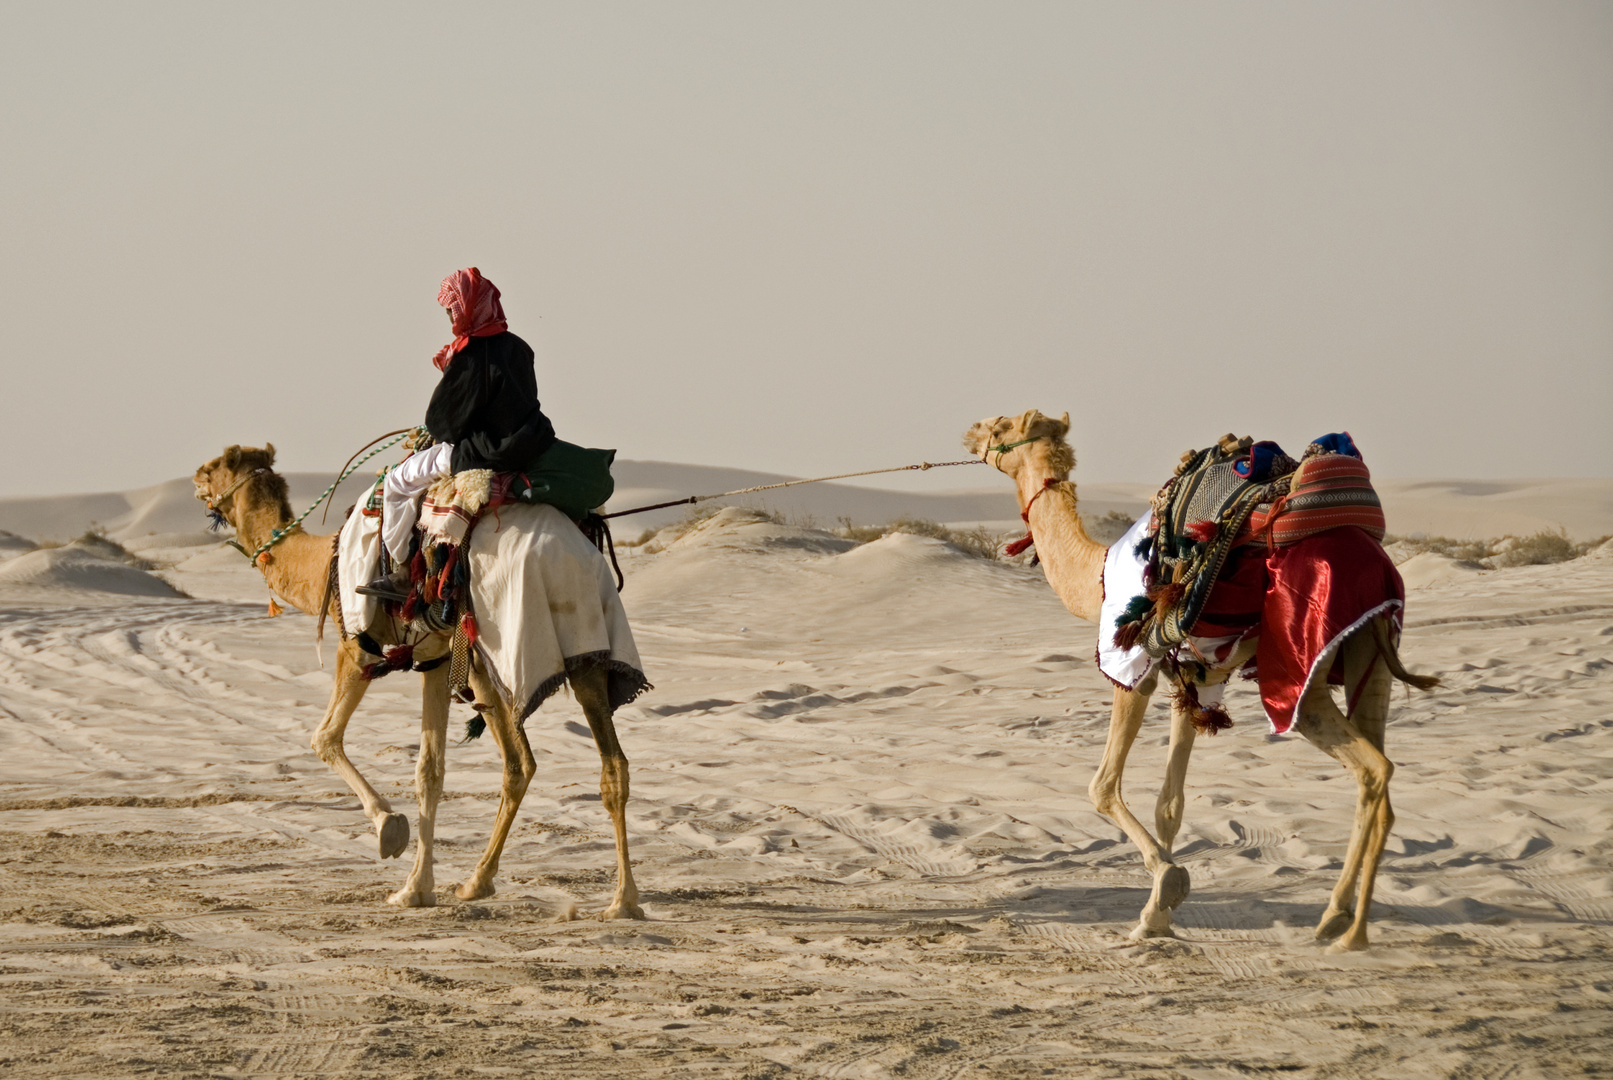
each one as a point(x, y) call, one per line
point(1122, 580)
point(542, 593)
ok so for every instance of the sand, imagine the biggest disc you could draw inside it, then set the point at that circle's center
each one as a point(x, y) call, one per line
point(859, 820)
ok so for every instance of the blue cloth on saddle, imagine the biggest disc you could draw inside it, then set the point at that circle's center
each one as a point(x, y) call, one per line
point(1257, 466)
point(1337, 443)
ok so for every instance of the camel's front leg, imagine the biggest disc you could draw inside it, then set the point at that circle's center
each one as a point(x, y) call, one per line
point(420, 889)
point(1168, 811)
point(519, 768)
point(392, 830)
point(1368, 683)
point(1171, 882)
point(593, 695)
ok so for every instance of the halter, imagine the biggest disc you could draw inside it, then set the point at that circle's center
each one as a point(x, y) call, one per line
point(213, 501)
point(1002, 448)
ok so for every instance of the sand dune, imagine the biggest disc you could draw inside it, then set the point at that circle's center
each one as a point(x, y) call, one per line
point(859, 817)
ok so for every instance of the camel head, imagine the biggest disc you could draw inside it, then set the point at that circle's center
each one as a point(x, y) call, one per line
point(239, 478)
point(1039, 439)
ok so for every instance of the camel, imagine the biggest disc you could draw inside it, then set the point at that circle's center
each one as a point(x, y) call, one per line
point(244, 489)
point(1032, 451)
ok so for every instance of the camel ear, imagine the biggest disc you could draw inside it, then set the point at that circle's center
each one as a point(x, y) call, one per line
point(268, 453)
point(1029, 417)
point(1064, 425)
point(231, 456)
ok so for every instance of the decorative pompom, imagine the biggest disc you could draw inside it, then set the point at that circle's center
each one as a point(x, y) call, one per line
point(274, 608)
point(1168, 595)
point(474, 727)
point(1126, 636)
point(265, 559)
point(399, 657)
point(1208, 720)
point(1203, 531)
point(468, 624)
point(1135, 610)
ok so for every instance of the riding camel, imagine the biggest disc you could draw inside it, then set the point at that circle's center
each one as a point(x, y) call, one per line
point(244, 489)
point(1031, 450)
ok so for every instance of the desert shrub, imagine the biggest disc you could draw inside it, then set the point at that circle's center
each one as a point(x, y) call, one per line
point(977, 541)
point(1541, 547)
point(1108, 528)
point(1545, 546)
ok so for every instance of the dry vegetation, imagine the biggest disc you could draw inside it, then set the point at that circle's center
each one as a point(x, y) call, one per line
point(1535, 549)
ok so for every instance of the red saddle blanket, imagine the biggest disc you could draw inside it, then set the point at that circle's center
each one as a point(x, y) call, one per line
point(1305, 598)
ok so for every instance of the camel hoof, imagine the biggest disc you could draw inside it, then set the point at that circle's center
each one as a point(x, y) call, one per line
point(1172, 887)
point(1143, 932)
point(407, 897)
point(623, 909)
point(473, 890)
point(394, 835)
point(1334, 924)
point(1348, 943)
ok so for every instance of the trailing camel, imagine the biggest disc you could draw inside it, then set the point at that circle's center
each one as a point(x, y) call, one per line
point(1031, 450)
point(243, 488)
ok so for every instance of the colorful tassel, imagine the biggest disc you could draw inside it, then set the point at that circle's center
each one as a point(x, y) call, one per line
point(468, 625)
point(1018, 546)
point(1203, 531)
point(1208, 720)
point(274, 608)
point(1127, 636)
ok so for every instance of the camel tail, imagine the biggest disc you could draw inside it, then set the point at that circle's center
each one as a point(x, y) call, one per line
point(1391, 657)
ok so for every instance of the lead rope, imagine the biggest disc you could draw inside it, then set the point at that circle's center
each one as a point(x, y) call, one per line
point(920, 467)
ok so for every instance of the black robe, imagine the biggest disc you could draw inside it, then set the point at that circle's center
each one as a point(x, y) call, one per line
point(487, 406)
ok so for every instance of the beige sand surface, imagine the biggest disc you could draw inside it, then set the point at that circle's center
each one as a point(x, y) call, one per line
point(860, 821)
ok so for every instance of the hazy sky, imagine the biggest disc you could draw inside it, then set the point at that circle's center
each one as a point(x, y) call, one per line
point(813, 238)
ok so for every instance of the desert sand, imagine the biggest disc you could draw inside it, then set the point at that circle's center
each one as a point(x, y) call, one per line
point(858, 815)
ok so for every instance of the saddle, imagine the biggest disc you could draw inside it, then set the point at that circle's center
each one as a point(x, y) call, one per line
point(1236, 492)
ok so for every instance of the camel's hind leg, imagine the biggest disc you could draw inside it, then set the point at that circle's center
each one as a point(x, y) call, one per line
point(392, 830)
point(1171, 882)
point(1357, 744)
point(591, 688)
point(420, 890)
point(519, 768)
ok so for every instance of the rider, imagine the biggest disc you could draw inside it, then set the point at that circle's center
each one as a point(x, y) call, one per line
point(484, 414)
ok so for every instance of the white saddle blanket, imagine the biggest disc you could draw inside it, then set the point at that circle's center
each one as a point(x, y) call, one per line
point(543, 596)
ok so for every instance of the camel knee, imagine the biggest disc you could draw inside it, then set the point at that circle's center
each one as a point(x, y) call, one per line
point(613, 783)
point(1105, 794)
point(327, 745)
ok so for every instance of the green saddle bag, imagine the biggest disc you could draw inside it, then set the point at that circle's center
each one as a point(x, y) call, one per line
point(574, 479)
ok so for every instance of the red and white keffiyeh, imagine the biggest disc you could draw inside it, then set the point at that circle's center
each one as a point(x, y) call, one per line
point(473, 305)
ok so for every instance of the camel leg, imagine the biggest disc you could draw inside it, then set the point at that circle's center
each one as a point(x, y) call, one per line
point(1172, 796)
point(1343, 739)
point(420, 889)
point(391, 830)
point(1171, 882)
point(519, 768)
point(590, 687)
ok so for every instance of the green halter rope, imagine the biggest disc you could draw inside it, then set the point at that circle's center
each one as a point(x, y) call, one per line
point(280, 534)
point(1003, 448)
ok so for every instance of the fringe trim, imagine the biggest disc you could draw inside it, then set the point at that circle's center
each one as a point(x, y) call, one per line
point(624, 682)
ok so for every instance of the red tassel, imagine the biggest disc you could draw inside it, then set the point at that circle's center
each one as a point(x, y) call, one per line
point(1203, 531)
point(1018, 546)
point(274, 608)
point(1211, 719)
point(399, 657)
point(1167, 596)
point(468, 624)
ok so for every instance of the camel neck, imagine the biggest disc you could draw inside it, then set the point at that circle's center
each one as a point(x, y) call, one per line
point(297, 566)
point(1071, 560)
